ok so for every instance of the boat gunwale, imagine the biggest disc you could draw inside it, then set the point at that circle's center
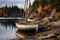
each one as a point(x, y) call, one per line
point(26, 23)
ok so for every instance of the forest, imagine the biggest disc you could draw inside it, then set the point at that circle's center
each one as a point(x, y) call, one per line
point(13, 11)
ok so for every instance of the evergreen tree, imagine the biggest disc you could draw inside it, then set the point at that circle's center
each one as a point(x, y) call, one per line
point(55, 3)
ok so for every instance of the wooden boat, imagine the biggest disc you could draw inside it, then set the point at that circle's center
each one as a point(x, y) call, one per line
point(26, 23)
point(29, 25)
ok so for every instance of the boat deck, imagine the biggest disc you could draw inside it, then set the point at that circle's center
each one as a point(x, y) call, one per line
point(27, 22)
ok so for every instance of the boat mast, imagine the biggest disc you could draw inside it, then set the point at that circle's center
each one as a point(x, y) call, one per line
point(25, 8)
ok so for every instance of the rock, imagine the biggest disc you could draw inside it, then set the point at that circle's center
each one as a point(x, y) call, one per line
point(53, 25)
point(47, 36)
point(44, 21)
point(50, 35)
point(56, 23)
point(41, 37)
point(19, 36)
point(58, 37)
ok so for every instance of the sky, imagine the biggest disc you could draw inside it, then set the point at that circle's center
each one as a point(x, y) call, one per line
point(19, 3)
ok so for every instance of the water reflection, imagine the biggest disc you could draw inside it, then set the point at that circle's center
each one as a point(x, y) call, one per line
point(26, 35)
point(6, 25)
point(7, 30)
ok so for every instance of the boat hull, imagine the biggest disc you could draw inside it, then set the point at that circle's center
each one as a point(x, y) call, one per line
point(26, 26)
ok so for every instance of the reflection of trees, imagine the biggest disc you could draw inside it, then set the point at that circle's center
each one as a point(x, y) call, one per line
point(8, 23)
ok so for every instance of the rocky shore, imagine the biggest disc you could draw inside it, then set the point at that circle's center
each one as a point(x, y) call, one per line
point(48, 30)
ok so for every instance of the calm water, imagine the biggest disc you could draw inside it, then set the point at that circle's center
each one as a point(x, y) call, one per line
point(7, 31)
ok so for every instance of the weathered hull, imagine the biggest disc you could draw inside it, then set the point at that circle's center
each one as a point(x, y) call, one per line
point(26, 26)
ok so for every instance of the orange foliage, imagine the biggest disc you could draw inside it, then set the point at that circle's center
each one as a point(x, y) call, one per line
point(47, 7)
point(39, 9)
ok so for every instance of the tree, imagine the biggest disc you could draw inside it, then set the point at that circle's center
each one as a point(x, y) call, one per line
point(55, 3)
point(35, 5)
point(38, 3)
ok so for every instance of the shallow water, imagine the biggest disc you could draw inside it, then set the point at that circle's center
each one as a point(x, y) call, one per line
point(7, 31)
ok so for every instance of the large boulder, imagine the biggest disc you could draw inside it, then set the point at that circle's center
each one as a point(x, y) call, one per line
point(56, 23)
point(44, 21)
point(49, 35)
